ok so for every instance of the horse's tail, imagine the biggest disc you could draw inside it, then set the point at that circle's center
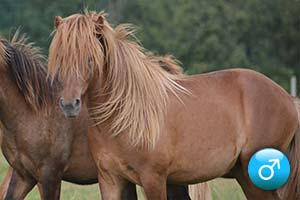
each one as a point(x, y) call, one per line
point(292, 189)
point(200, 191)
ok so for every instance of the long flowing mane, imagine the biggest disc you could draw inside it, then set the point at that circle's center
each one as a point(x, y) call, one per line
point(28, 70)
point(135, 85)
point(170, 64)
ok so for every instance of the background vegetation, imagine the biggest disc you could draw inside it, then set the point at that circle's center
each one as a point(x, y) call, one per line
point(204, 35)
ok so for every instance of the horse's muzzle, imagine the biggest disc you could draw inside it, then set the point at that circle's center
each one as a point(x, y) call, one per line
point(72, 108)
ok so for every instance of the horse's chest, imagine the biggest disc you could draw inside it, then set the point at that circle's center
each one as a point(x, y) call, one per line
point(9, 150)
point(113, 156)
point(18, 160)
point(113, 164)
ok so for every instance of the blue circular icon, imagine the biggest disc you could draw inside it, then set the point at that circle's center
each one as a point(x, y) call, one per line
point(269, 169)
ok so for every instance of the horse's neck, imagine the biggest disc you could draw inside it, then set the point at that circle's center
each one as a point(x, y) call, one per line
point(20, 120)
point(95, 87)
point(13, 109)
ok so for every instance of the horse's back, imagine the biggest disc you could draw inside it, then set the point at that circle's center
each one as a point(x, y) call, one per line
point(227, 112)
point(264, 109)
point(256, 100)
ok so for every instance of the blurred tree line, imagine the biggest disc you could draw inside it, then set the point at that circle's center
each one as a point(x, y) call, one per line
point(204, 35)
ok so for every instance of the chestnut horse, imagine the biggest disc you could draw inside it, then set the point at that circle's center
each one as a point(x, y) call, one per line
point(45, 147)
point(152, 127)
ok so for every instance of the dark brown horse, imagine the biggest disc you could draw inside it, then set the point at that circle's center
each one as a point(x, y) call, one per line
point(5, 181)
point(152, 127)
point(42, 146)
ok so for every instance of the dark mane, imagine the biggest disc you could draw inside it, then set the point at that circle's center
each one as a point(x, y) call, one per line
point(2, 53)
point(28, 70)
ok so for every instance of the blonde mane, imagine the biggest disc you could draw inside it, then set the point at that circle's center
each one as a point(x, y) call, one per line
point(169, 64)
point(135, 85)
point(74, 46)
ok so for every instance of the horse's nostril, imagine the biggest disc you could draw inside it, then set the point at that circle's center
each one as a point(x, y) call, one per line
point(77, 102)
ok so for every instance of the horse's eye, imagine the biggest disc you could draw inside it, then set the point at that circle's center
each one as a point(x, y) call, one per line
point(90, 61)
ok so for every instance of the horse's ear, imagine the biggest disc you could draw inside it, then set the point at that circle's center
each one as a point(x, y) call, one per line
point(99, 20)
point(57, 21)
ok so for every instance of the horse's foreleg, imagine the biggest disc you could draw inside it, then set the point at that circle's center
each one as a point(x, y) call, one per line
point(50, 190)
point(129, 191)
point(155, 186)
point(115, 187)
point(19, 186)
point(178, 192)
point(50, 184)
point(5, 183)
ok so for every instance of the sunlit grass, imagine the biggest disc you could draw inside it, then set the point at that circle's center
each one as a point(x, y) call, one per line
point(221, 189)
point(227, 189)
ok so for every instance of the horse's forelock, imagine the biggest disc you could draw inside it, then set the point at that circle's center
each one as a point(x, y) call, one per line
point(74, 46)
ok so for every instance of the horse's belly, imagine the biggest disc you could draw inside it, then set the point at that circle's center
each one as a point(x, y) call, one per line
point(200, 156)
point(81, 166)
point(81, 173)
point(205, 166)
point(208, 137)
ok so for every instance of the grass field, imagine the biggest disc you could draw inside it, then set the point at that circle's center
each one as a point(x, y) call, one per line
point(221, 189)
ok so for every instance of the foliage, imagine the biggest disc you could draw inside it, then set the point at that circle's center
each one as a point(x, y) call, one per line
point(210, 35)
point(205, 35)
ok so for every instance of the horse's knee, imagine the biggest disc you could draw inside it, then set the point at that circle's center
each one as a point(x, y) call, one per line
point(155, 186)
point(19, 186)
point(115, 187)
point(50, 183)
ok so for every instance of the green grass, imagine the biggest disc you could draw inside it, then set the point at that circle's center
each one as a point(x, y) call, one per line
point(226, 189)
point(221, 189)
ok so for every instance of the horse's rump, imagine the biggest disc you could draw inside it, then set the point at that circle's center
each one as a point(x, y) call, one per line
point(292, 188)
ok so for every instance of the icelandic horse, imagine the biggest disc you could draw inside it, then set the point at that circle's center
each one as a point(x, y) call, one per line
point(151, 127)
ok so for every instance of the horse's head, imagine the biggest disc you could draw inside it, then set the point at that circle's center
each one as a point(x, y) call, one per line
point(124, 83)
point(76, 58)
